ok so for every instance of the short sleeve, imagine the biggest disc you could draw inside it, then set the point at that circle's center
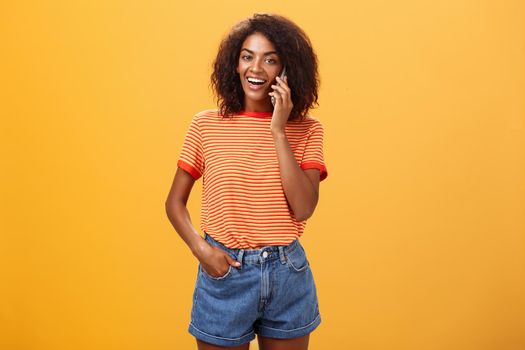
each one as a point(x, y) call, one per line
point(191, 158)
point(313, 155)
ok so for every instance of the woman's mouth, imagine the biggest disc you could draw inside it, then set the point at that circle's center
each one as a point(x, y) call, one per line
point(255, 83)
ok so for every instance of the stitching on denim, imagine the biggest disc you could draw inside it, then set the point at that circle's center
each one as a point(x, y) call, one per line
point(214, 336)
point(299, 269)
point(220, 277)
point(290, 251)
point(292, 330)
point(291, 263)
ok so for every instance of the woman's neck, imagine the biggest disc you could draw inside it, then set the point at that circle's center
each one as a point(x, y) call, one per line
point(263, 106)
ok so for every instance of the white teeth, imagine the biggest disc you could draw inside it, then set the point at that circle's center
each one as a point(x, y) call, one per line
point(256, 80)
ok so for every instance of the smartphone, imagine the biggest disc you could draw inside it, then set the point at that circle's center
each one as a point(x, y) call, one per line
point(282, 75)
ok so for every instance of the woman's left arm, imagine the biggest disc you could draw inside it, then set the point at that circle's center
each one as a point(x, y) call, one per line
point(301, 187)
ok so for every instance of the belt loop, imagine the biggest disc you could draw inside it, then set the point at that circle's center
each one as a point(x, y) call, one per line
point(239, 257)
point(282, 255)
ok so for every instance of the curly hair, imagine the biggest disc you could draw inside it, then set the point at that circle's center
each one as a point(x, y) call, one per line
point(294, 50)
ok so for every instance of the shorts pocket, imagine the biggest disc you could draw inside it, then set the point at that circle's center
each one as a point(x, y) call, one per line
point(296, 259)
point(207, 275)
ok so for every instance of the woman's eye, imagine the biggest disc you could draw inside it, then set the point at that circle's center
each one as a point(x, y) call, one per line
point(247, 57)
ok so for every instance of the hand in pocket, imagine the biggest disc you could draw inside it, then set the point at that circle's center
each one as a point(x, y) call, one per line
point(216, 262)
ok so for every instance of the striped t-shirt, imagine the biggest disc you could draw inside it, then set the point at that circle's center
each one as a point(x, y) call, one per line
point(243, 201)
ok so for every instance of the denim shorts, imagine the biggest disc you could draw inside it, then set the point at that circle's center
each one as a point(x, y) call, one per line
point(272, 294)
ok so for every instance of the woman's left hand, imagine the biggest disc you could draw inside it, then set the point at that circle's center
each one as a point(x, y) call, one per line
point(283, 104)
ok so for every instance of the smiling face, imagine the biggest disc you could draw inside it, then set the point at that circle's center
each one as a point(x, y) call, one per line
point(258, 66)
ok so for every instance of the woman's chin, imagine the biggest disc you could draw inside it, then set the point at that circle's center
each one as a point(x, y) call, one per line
point(259, 97)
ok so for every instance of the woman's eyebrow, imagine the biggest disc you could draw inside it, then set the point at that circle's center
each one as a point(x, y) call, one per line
point(266, 53)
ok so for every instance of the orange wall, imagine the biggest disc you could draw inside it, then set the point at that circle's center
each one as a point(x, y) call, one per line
point(418, 239)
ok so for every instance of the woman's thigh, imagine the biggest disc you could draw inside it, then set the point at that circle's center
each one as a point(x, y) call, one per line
point(201, 345)
point(300, 343)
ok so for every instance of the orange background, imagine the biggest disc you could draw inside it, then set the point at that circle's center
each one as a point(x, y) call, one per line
point(418, 239)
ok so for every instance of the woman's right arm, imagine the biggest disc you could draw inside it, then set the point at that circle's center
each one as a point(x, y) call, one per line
point(214, 260)
point(179, 216)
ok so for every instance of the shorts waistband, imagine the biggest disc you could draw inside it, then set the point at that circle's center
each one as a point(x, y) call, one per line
point(269, 252)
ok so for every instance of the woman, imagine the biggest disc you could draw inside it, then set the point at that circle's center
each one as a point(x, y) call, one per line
point(261, 166)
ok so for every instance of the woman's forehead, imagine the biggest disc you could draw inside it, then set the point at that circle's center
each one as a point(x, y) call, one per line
point(258, 43)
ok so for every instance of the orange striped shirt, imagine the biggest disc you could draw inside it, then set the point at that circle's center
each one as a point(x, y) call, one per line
point(243, 201)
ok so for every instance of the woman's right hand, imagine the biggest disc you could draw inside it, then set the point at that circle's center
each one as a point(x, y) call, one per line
point(216, 262)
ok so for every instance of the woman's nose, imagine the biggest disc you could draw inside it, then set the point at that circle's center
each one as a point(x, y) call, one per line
point(256, 67)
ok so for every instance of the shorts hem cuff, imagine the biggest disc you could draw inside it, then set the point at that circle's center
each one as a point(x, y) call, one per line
point(197, 333)
point(290, 333)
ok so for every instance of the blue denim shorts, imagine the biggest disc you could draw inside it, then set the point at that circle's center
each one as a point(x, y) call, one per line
point(272, 294)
